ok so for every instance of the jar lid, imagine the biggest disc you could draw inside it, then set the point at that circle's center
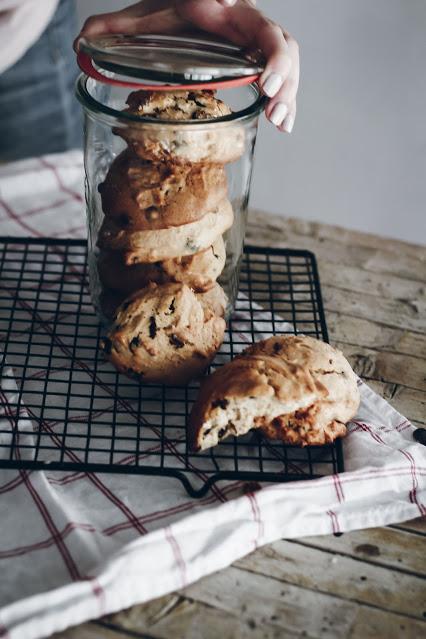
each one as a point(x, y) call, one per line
point(184, 62)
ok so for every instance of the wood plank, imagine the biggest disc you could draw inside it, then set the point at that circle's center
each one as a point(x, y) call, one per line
point(299, 611)
point(370, 333)
point(386, 367)
point(193, 619)
point(340, 234)
point(410, 267)
point(235, 604)
point(147, 616)
point(397, 314)
point(342, 576)
point(90, 631)
point(358, 280)
point(198, 620)
point(415, 526)
point(278, 232)
point(387, 547)
point(410, 403)
point(373, 624)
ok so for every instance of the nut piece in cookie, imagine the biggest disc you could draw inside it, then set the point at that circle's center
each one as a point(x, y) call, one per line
point(294, 388)
point(182, 143)
point(141, 195)
point(164, 334)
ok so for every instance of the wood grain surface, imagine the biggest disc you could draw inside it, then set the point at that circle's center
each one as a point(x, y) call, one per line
point(365, 584)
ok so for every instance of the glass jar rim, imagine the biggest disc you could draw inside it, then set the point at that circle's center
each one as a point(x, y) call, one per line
point(98, 108)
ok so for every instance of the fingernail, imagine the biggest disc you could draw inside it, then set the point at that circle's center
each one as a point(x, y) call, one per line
point(228, 3)
point(278, 113)
point(272, 84)
point(288, 124)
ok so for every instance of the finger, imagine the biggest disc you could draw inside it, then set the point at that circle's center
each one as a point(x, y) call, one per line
point(288, 123)
point(133, 20)
point(279, 106)
point(243, 24)
point(286, 95)
point(230, 3)
point(93, 26)
point(280, 78)
point(279, 62)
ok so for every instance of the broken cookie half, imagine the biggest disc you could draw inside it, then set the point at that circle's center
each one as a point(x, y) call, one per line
point(294, 388)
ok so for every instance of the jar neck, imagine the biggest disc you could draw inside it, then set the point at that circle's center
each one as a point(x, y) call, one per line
point(114, 116)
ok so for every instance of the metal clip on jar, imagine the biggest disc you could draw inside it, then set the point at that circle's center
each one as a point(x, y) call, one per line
point(170, 129)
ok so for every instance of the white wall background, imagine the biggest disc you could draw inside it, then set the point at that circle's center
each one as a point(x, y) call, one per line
point(357, 155)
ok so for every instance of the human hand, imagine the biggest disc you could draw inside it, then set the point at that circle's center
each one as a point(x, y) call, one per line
point(237, 21)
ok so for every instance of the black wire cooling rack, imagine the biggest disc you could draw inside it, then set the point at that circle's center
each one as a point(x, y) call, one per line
point(62, 407)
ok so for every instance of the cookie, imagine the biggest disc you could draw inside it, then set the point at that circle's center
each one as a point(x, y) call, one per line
point(165, 244)
point(164, 335)
point(141, 195)
point(199, 271)
point(221, 143)
point(214, 301)
point(177, 105)
point(294, 388)
point(109, 301)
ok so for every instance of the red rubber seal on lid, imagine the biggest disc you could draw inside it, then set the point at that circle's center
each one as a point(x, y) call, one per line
point(85, 63)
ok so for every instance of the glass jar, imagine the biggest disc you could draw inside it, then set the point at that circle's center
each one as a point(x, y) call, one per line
point(135, 163)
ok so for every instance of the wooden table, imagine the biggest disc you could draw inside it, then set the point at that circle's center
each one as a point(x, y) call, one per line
point(365, 584)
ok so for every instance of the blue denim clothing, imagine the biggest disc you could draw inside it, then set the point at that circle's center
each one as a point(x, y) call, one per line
point(38, 111)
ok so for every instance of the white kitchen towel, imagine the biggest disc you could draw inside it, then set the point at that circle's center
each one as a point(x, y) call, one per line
point(74, 546)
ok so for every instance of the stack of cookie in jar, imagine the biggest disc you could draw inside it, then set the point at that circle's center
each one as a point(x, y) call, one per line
point(161, 243)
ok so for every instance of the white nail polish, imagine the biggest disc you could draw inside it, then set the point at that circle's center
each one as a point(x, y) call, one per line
point(272, 84)
point(278, 113)
point(288, 124)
